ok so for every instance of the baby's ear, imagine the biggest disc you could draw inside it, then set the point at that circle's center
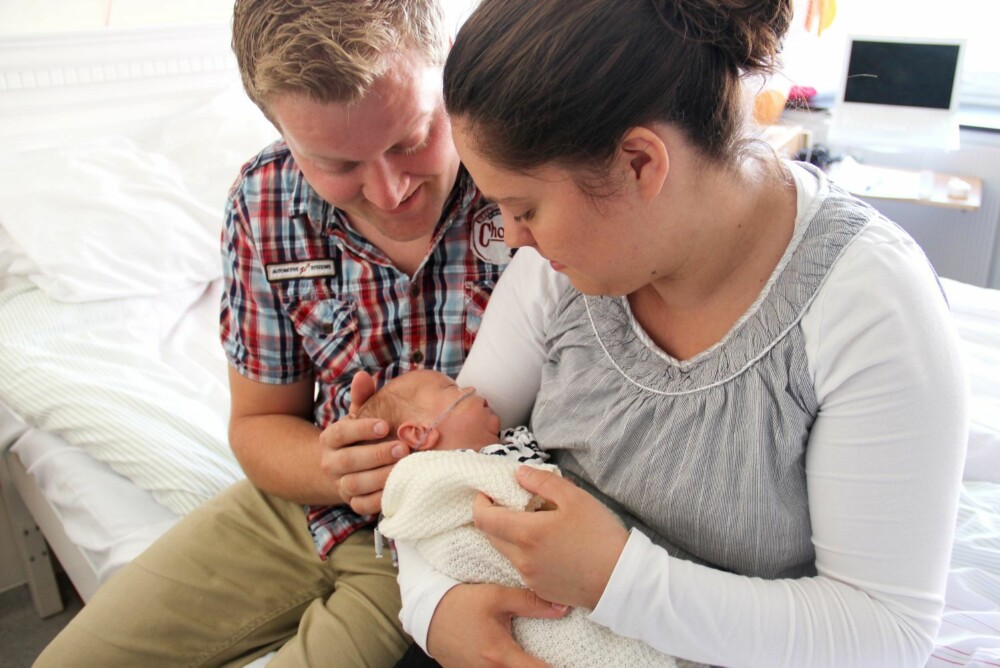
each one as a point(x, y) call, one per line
point(416, 435)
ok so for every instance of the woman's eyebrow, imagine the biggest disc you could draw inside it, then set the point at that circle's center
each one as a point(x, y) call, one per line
point(504, 200)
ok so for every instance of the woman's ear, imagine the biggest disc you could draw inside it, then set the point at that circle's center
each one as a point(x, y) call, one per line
point(646, 160)
point(416, 436)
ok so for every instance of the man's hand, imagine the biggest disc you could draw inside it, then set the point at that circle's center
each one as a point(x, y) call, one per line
point(359, 471)
point(471, 626)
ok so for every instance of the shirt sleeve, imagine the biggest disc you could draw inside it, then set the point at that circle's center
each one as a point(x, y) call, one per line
point(422, 587)
point(513, 330)
point(883, 468)
point(258, 338)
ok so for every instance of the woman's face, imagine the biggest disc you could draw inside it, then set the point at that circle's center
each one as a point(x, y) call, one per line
point(596, 242)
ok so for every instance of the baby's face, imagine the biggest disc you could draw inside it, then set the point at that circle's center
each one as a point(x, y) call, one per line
point(469, 423)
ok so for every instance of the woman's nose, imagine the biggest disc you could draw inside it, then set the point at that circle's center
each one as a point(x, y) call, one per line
point(515, 234)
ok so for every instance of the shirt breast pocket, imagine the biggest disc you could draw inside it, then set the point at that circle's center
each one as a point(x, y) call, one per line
point(329, 332)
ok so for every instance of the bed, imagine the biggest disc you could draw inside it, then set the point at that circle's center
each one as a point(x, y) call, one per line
point(119, 148)
point(113, 391)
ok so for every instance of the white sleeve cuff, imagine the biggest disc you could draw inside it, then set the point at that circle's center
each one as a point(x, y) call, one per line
point(422, 588)
point(617, 609)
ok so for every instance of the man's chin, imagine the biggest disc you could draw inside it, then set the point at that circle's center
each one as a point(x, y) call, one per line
point(406, 229)
point(376, 224)
point(409, 226)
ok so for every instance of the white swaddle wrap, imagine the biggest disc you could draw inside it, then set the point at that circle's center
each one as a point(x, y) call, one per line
point(427, 502)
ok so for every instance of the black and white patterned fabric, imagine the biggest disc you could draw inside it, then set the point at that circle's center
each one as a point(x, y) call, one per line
point(519, 443)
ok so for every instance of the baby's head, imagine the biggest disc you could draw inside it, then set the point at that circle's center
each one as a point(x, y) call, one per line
point(427, 410)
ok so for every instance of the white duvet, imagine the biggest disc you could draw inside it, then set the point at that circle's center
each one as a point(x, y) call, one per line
point(138, 383)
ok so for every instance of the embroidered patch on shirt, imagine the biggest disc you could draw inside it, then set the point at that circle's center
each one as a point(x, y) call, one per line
point(291, 270)
point(487, 236)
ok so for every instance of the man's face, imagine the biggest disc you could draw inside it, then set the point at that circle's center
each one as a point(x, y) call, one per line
point(387, 161)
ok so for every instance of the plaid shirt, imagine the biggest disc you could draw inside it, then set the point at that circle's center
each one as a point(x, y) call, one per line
point(305, 293)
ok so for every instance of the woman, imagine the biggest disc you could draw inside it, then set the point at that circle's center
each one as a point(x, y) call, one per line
point(754, 369)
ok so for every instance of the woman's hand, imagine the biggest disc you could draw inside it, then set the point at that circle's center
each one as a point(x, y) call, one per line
point(359, 471)
point(566, 554)
point(471, 626)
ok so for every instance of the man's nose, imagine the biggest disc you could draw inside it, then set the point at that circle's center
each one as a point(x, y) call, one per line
point(384, 185)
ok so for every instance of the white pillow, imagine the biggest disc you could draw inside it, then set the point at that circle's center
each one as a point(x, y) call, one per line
point(124, 216)
point(211, 143)
point(106, 219)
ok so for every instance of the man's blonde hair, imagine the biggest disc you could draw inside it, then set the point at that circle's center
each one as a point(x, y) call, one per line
point(329, 50)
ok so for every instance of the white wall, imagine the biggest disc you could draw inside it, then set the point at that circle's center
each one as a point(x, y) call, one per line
point(29, 16)
point(32, 16)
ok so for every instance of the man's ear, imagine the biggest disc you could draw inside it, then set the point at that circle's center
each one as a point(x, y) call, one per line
point(411, 434)
point(645, 159)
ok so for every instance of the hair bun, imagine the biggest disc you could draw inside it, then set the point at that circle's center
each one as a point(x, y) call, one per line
point(748, 32)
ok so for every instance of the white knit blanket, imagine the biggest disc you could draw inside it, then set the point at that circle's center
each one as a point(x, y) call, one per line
point(428, 502)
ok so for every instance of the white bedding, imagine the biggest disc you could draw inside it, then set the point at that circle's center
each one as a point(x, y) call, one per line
point(138, 383)
point(977, 316)
point(970, 630)
point(108, 517)
point(109, 257)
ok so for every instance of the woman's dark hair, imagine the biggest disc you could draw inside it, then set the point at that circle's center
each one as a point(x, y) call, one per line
point(563, 80)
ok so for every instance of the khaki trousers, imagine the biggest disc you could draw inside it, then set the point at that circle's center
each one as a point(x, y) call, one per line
point(237, 578)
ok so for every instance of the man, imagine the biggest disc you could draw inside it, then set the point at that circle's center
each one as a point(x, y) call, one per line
point(357, 245)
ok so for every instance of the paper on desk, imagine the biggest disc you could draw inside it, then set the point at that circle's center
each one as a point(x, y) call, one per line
point(867, 181)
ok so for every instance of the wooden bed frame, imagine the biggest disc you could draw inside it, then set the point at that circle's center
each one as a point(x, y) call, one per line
point(36, 526)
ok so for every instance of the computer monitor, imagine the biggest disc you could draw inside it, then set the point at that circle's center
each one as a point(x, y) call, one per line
point(897, 91)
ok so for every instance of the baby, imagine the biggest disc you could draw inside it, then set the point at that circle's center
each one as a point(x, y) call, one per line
point(428, 497)
point(416, 405)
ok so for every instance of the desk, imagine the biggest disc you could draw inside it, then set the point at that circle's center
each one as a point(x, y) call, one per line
point(908, 185)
